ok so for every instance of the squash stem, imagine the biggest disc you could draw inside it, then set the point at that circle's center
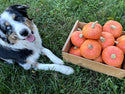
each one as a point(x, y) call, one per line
point(81, 35)
point(117, 42)
point(75, 47)
point(90, 46)
point(113, 27)
point(102, 39)
point(93, 25)
point(113, 56)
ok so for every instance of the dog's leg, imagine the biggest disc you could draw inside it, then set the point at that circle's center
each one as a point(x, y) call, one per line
point(8, 61)
point(55, 67)
point(26, 66)
point(51, 56)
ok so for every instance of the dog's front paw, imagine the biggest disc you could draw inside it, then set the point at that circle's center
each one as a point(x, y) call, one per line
point(66, 70)
point(26, 66)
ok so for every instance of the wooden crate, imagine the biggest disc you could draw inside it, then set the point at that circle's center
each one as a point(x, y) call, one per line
point(86, 63)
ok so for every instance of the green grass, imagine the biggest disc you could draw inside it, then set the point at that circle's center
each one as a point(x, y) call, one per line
point(55, 19)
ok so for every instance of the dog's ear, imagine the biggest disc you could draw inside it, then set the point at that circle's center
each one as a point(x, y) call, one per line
point(21, 9)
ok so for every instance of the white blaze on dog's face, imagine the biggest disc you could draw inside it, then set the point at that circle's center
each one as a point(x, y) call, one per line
point(14, 19)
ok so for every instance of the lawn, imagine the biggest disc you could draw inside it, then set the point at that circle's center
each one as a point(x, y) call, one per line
point(55, 19)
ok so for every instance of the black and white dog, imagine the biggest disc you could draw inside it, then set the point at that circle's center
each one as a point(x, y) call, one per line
point(20, 42)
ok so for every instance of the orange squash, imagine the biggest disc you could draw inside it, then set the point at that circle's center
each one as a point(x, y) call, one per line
point(98, 59)
point(90, 49)
point(106, 39)
point(75, 51)
point(113, 27)
point(121, 38)
point(77, 38)
point(92, 30)
point(119, 66)
point(120, 42)
point(113, 56)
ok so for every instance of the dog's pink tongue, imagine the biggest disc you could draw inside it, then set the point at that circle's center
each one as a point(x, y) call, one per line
point(30, 38)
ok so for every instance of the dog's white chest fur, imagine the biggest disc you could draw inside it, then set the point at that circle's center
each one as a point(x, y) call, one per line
point(35, 46)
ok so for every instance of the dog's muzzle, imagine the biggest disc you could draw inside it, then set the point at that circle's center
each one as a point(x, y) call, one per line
point(29, 37)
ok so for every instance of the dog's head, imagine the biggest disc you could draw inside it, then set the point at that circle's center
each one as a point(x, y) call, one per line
point(15, 24)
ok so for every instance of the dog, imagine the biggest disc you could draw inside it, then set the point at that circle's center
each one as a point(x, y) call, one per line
point(21, 43)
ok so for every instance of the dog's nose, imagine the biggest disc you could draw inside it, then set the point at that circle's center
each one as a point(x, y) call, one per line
point(24, 33)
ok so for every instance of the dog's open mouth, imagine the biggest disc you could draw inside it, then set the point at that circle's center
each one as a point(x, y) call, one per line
point(30, 38)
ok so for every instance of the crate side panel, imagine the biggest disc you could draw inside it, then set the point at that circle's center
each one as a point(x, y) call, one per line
point(92, 65)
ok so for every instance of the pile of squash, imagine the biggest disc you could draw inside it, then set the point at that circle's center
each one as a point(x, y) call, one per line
point(102, 44)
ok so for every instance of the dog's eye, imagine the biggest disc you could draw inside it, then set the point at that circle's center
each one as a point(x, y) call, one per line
point(20, 19)
point(17, 18)
point(8, 27)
